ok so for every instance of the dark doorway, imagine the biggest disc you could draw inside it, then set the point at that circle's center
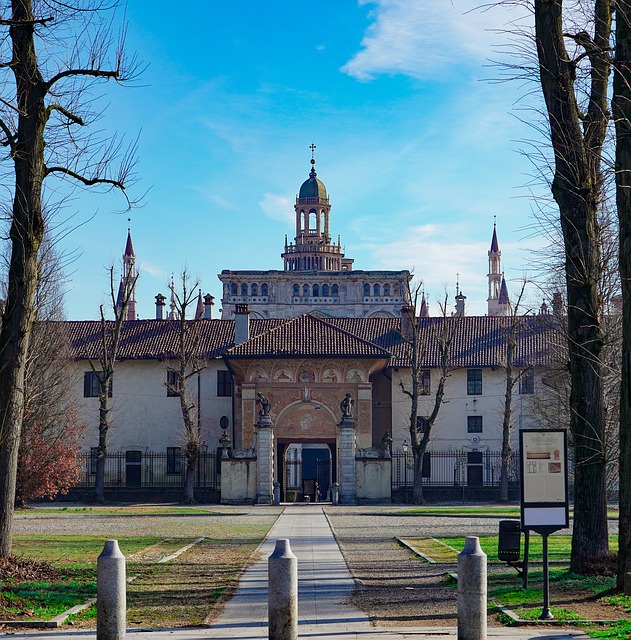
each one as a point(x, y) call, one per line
point(316, 469)
point(133, 468)
point(475, 470)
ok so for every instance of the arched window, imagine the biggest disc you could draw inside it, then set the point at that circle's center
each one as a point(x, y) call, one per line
point(305, 290)
point(366, 290)
point(255, 290)
point(296, 290)
point(264, 290)
point(325, 290)
point(244, 289)
point(335, 291)
point(316, 291)
point(386, 289)
point(234, 290)
point(313, 220)
point(377, 290)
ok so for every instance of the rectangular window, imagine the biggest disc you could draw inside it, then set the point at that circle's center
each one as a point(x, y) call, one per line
point(224, 384)
point(173, 383)
point(474, 382)
point(174, 460)
point(421, 424)
point(527, 381)
point(91, 384)
point(424, 382)
point(474, 424)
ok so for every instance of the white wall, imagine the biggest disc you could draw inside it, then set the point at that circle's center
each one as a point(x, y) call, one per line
point(143, 417)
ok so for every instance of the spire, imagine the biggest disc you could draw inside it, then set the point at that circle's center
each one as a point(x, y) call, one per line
point(495, 275)
point(424, 307)
point(129, 276)
point(503, 299)
point(495, 247)
point(199, 311)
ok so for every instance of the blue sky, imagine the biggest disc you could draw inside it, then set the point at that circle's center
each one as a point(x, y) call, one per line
point(417, 150)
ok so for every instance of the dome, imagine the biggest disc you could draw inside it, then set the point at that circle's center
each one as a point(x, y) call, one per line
point(312, 188)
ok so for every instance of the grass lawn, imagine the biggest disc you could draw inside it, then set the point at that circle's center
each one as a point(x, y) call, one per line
point(123, 510)
point(177, 593)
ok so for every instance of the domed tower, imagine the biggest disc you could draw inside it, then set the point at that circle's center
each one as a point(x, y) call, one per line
point(312, 249)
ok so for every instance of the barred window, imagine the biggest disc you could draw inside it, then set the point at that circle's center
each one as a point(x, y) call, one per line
point(224, 384)
point(174, 460)
point(173, 383)
point(474, 382)
point(474, 424)
point(527, 381)
point(92, 384)
point(424, 382)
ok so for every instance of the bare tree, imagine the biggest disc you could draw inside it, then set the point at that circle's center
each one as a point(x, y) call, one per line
point(577, 133)
point(45, 103)
point(622, 116)
point(188, 364)
point(111, 331)
point(425, 335)
point(511, 379)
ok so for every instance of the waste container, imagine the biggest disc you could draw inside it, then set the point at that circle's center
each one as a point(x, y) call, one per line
point(508, 543)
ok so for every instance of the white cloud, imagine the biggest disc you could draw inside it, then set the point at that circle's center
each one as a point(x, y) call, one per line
point(421, 39)
point(277, 207)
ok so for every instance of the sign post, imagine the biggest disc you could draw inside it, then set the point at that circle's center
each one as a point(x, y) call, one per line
point(544, 496)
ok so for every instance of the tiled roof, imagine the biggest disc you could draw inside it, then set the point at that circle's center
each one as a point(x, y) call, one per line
point(479, 341)
point(307, 336)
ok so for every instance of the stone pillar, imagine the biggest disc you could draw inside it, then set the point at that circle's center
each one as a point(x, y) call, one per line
point(265, 460)
point(111, 591)
point(283, 593)
point(347, 445)
point(472, 591)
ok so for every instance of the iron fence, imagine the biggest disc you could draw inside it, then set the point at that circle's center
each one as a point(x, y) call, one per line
point(140, 469)
point(453, 469)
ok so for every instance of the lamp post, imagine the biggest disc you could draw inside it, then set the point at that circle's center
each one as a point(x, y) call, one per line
point(405, 446)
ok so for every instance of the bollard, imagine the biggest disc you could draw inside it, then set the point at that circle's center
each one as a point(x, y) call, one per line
point(111, 599)
point(283, 592)
point(336, 493)
point(472, 591)
point(276, 493)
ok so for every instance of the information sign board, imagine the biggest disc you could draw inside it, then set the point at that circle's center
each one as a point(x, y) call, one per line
point(543, 466)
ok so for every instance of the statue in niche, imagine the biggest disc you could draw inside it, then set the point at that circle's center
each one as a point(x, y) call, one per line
point(265, 404)
point(347, 406)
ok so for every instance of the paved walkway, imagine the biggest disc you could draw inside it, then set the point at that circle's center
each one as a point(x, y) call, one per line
point(323, 586)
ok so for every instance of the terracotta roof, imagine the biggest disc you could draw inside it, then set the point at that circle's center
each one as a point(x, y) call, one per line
point(307, 336)
point(479, 341)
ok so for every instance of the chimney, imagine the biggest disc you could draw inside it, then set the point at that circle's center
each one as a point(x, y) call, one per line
point(160, 304)
point(407, 318)
point(209, 303)
point(460, 304)
point(241, 323)
point(557, 304)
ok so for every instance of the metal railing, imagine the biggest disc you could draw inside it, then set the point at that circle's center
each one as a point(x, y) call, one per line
point(453, 469)
point(150, 470)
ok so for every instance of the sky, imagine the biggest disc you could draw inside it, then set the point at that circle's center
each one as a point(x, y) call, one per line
point(418, 147)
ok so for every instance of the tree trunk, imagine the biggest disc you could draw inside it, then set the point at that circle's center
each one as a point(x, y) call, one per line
point(622, 117)
point(417, 495)
point(577, 189)
point(27, 230)
point(189, 478)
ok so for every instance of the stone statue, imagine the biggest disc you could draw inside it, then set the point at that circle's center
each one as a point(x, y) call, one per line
point(347, 406)
point(265, 404)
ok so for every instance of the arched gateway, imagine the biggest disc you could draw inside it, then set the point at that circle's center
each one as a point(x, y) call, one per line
point(308, 437)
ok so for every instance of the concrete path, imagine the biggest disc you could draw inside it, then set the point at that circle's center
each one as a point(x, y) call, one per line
point(324, 583)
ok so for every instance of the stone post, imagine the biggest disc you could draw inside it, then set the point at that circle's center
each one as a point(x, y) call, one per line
point(276, 493)
point(283, 592)
point(111, 598)
point(472, 591)
point(335, 498)
point(347, 447)
point(265, 460)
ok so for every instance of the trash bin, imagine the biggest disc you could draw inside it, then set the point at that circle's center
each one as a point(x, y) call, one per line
point(509, 541)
